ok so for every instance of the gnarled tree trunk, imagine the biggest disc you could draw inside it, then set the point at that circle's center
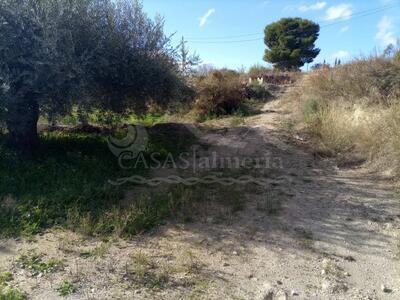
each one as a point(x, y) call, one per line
point(22, 118)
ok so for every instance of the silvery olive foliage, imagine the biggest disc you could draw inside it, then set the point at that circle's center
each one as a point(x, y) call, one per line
point(59, 54)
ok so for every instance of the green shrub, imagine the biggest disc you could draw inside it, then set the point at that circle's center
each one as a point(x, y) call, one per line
point(219, 93)
point(311, 110)
point(257, 91)
point(66, 288)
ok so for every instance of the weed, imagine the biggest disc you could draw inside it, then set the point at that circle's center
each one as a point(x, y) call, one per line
point(66, 288)
point(288, 126)
point(5, 278)
point(34, 262)
point(191, 263)
point(8, 293)
point(99, 251)
point(237, 120)
point(305, 236)
point(143, 271)
point(311, 109)
point(331, 269)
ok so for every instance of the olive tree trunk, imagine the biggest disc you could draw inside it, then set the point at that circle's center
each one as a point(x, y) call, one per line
point(22, 118)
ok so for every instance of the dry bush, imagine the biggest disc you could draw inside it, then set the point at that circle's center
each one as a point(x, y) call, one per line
point(353, 109)
point(366, 81)
point(219, 93)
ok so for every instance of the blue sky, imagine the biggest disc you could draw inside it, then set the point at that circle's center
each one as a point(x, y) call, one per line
point(229, 33)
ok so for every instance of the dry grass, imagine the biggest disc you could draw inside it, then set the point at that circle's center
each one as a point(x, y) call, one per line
point(353, 109)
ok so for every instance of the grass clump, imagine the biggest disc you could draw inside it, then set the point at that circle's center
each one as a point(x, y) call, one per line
point(142, 270)
point(99, 251)
point(66, 288)
point(8, 293)
point(5, 278)
point(305, 236)
point(34, 262)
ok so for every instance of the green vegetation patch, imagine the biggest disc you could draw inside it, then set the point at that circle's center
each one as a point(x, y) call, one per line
point(66, 288)
point(8, 293)
point(35, 263)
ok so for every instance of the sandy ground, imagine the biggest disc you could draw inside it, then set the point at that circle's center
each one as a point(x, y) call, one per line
point(335, 237)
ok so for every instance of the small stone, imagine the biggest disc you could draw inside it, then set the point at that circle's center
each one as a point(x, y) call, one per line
point(234, 253)
point(268, 292)
point(281, 295)
point(279, 282)
point(294, 293)
point(269, 295)
point(349, 258)
point(385, 289)
point(226, 265)
point(323, 272)
point(347, 274)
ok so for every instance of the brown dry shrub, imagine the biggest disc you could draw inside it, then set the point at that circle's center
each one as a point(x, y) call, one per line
point(219, 93)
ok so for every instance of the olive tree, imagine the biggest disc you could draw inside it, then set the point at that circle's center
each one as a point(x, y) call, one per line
point(56, 54)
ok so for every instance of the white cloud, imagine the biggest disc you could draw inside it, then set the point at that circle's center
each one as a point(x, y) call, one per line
point(385, 33)
point(341, 54)
point(345, 28)
point(341, 11)
point(204, 18)
point(315, 6)
point(264, 4)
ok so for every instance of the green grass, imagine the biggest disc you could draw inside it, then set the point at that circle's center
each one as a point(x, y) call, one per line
point(8, 293)
point(142, 270)
point(99, 251)
point(66, 183)
point(5, 278)
point(66, 288)
point(34, 262)
point(69, 171)
point(109, 118)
